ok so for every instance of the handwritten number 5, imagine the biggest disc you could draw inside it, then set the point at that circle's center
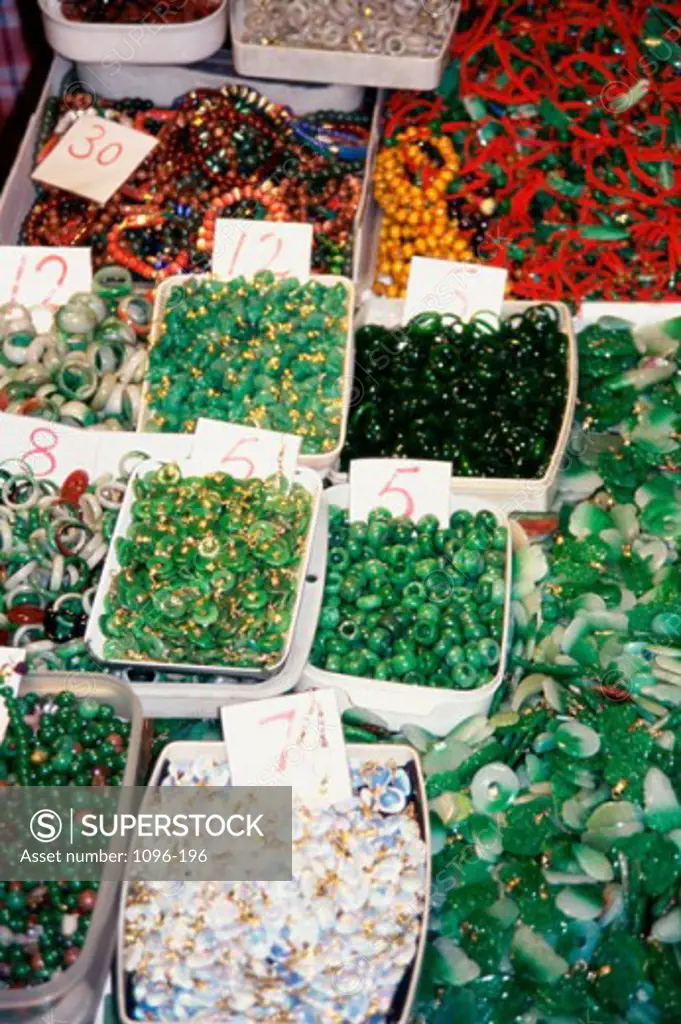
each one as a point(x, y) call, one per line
point(389, 489)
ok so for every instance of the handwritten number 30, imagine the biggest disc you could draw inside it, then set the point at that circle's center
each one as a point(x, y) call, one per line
point(114, 149)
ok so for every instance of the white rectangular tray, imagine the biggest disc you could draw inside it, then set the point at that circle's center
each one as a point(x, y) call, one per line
point(512, 494)
point(319, 461)
point(141, 43)
point(381, 753)
point(94, 638)
point(162, 85)
point(433, 708)
point(313, 65)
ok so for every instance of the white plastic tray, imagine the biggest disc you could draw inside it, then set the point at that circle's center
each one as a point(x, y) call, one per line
point(381, 753)
point(141, 43)
point(204, 700)
point(162, 85)
point(319, 461)
point(95, 639)
point(286, 62)
point(512, 495)
point(433, 708)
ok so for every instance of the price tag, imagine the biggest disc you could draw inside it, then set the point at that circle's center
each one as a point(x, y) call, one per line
point(94, 158)
point(243, 452)
point(248, 246)
point(114, 445)
point(405, 487)
point(42, 276)
point(50, 450)
point(294, 741)
point(10, 658)
point(461, 288)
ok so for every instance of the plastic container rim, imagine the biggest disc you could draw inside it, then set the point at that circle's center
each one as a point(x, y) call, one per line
point(52, 9)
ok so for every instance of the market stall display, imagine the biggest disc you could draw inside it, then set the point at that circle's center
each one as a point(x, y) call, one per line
point(490, 399)
point(268, 353)
point(205, 571)
point(373, 849)
point(526, 642)
point(559, 814)
point(84, 364)
point(567, 130)
point(212, 144)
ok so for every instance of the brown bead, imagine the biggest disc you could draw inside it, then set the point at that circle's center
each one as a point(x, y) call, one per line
point(87, 900)
point(71, 955)
point(37, 962)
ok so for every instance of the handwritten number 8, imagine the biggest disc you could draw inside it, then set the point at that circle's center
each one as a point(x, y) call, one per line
point(45, 449)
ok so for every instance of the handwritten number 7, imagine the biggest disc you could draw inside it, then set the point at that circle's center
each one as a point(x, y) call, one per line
point(288, 716)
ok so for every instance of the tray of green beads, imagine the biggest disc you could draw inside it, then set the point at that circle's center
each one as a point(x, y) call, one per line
point(415, 620)
point(205, 574)
point(495, 400)
point(268, 353)
point(64, 729)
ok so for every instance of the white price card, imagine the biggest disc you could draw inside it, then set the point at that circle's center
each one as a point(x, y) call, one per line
point(43, 276)
point(406, 487)
point(450, 287)
point(114, 445)
point(243, 451)
point(94, 158)
point(245, 247)
point(50, 450)
point(10, 658)
point(294, 741)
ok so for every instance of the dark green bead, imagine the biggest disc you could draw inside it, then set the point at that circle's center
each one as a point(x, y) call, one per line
point(379, 641)
point(354, 664)
point(403, 663)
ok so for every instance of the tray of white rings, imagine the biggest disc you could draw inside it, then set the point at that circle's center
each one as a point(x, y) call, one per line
point(398, 44)
point(343, 940)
